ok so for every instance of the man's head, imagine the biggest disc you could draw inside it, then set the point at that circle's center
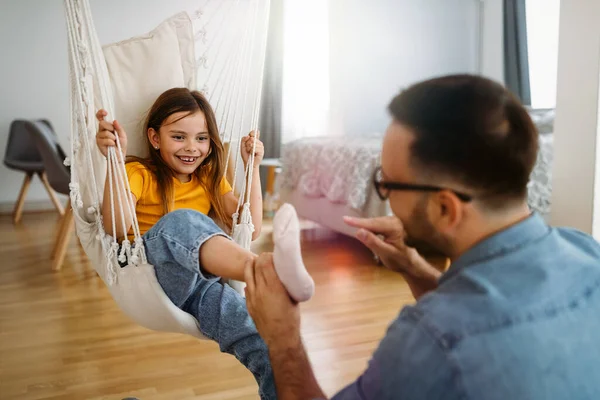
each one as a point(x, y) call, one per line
point(468, 136)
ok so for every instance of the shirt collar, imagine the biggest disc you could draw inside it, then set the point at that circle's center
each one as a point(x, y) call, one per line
point(509, 239)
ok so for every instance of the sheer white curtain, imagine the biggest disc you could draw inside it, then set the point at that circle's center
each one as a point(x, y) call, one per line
point(542, 42)
point(305, 108)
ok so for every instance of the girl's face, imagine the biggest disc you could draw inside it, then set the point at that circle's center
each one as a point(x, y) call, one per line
point(184, 144)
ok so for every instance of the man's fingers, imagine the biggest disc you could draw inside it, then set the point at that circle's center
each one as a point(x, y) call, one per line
point(374, 243)
point(249, 276)
point(265, 273)
point(379, 225)
point(265, 269)
point(409, 260)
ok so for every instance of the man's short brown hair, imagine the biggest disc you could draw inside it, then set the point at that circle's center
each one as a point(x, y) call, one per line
point(471, 130)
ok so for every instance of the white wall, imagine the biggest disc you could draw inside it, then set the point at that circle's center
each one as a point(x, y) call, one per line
point(378, 47)
point(34, 66)
point(576, 170)
point(492, 40)
point(543, 18)
point(33, 76)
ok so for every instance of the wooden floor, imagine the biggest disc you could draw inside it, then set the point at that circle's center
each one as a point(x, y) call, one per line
point(62, 337)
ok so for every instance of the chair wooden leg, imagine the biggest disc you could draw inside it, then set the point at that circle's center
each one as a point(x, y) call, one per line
point(61, 231)
point(62, 241)
point(21, 200)
point(52, 194)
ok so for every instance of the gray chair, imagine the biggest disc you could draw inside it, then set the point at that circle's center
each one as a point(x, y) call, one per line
point(22, 155)
point(59, 177)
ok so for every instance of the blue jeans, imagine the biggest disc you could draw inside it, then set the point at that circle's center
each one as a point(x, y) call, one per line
point(173, 246)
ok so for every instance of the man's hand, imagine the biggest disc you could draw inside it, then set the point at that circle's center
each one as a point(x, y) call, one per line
point(385, 237)
point(277, 320)
point(276, 315)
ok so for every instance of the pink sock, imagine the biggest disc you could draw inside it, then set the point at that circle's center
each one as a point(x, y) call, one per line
point(287, 256)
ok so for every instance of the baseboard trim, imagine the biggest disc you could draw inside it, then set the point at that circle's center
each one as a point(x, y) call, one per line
point(32, 206)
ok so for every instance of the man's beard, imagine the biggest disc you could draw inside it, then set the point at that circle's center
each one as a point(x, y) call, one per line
point(422, 235)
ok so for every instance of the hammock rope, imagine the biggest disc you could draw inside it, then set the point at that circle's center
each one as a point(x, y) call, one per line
point(135, 287)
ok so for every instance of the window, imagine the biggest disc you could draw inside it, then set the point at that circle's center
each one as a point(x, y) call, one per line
point(542, 42)
point(305, 108)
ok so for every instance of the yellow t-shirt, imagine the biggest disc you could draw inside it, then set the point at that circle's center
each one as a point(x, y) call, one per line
point(149, 208)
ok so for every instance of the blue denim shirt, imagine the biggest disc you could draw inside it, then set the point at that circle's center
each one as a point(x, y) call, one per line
point(516, 317)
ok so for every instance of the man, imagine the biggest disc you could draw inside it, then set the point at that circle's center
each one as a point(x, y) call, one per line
point(517, 314)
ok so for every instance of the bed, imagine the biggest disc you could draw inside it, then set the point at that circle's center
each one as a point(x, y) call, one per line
point(540, 182)
point(326, 178)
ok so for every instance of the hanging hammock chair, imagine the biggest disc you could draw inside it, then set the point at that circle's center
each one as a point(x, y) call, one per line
point(125, 78)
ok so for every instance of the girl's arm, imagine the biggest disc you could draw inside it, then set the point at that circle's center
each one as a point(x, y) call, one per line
point(256, 205)
point(105, 138)
point(256, 202)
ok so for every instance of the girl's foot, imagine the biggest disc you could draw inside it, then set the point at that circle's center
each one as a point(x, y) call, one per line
point(287, 256)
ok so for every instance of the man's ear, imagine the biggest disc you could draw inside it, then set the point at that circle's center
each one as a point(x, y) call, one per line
point(153, 137)
point(446, 211)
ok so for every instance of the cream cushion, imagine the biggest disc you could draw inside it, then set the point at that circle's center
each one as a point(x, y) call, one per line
point(143, 67)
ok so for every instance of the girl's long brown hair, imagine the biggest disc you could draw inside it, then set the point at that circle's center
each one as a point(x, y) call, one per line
point(212, 169)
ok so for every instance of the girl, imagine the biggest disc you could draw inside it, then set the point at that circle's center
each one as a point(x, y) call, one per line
point(173, 191)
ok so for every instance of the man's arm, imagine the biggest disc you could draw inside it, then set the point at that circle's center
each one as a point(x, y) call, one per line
point(420, 286)
point(294, 377)
point(277, 320)
point(409, 362)
point(385, 236)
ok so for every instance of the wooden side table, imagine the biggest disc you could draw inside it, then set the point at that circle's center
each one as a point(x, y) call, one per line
point(270, 201)
point(272, 165)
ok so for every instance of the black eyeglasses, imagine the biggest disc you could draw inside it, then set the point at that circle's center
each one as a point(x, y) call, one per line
point(384, 189)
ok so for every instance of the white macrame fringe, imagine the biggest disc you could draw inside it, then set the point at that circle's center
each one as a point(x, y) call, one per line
point(75, 195)
point(242, 232)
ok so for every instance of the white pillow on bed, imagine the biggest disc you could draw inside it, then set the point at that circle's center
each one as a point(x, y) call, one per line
point(543, 118)
point(143, 67)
